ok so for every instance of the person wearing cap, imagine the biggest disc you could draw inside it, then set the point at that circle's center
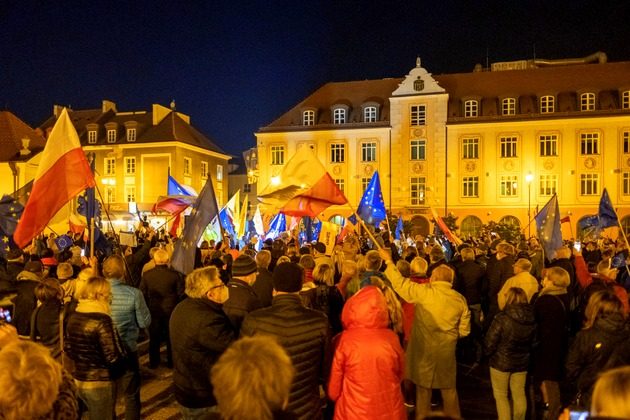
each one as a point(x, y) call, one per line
point(304, 333)
point(243, 298)
point(319, 254)
point(25, 301)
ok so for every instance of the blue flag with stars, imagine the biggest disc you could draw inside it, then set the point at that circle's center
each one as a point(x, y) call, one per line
point(174, 188)
point(399, 229)
point(607, 215)
point(10, 212)
point(227, 222)
point(372, 207)
point(548, 227)
point(277, 226)
point(202, 213)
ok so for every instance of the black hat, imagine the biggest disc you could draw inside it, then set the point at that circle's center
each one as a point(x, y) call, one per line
point(287, 277)
point(244, 265)
point(320, 247)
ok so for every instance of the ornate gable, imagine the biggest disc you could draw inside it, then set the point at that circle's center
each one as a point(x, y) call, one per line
point(418, 82)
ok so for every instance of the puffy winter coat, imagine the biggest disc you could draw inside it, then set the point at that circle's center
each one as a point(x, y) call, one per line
point(129, 312)
point(510, 338)
point(368, 364)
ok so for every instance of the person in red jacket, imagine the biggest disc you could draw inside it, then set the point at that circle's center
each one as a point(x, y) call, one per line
point(368, 364)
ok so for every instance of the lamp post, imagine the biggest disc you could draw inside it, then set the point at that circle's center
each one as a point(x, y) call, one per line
point(529, 178)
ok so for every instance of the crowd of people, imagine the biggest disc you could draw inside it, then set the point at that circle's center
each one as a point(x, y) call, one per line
point(372, 329)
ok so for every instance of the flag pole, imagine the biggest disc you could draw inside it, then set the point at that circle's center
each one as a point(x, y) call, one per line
point(362, 223)
point(625, 238)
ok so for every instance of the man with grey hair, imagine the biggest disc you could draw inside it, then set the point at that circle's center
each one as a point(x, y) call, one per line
point(521, 278)
point(263, 286)
point(441, 317)
point(200, 332)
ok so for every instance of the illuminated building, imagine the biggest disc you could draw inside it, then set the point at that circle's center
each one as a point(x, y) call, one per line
point(491, 144)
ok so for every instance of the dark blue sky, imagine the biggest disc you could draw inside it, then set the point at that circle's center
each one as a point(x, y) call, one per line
point(235, 66)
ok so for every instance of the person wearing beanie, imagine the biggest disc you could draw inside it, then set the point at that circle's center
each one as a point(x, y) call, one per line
point(304, 334)
point(243, 298)
point(319, 254)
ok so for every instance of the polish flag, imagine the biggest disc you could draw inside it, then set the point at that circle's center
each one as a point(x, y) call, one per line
point(62, 174)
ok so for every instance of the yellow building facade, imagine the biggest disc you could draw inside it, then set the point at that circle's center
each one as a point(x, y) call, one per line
point(490, 145)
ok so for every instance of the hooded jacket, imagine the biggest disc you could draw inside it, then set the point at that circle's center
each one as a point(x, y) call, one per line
point(510, 338)
point(368, 364)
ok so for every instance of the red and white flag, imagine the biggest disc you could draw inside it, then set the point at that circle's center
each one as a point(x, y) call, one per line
point(62, 174)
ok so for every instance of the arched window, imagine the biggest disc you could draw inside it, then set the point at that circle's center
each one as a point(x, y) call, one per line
point(471, 108)
point(339, 116)
point(471, 226)
point(510, 221)
point(508, 106)
point(308, 117)
point(369, 114)
point(587, 102)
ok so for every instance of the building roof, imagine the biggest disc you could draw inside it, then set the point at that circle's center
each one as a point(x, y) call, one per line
point(12, 131)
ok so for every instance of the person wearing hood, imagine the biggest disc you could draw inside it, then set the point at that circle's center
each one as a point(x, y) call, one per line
point(604, 329)
point(368, 364)
point(25, 301)
point(508, 343)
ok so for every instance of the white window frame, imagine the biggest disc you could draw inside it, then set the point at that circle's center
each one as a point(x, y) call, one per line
point(204, 169)
point(111, 136)
point(471, 108)
point(470, 187)
point(508, 186)
point(339, 116)
point(130, 193)
point(370, 114)
point(132, 135)
point(548, 144)
point(418, 149)
point(92, 136)
point(277, 155)
point(364, 184)
point(589, 184)
point(219, 172)
point(109, 166)
point(547, 184)
point(417, 190)
point(508, 146)
point(508, 106)
point(625, 142)
point(130, 165)
point(418, 115)
point(187, 166)
point(470, 148)
point(308, 117)
point(625, 99)
point(368, 151)
point(110, 194)
point(587, 101)
point(341, 184)
point(337, 152)
point(547, 104)
point(589, 143)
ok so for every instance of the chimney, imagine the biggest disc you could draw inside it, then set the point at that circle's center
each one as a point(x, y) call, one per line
point(25, 150)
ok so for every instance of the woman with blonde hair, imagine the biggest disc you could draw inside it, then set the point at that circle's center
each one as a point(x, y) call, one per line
point(325, 297)
point(95, 348)
point(610, 394)
point(605, 328)
point(394, 308)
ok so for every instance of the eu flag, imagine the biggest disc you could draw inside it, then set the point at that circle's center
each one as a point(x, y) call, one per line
point(277, 226)
point(174, 188)
point(226, 222)
point(204, 209)
point(589, 226)
point(372, 207)
point(399, 228)
point(548, 227)
point(607, 215)
point(10, 212)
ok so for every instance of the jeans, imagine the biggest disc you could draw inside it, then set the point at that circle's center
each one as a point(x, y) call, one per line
point(197, 413)
point(515, 381)
point(99, 401)
point(129, 384)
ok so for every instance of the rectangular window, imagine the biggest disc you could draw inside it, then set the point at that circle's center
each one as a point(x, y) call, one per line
point(508, 186)
point(508, 106)
point(341, 184)
point(92, 137)
point(508, 147)
point(111, 136)
point(589, 184)
point(204, 170)
point(626, 183)
point(470, 186)
point(369, 114)
point(470, 148)
point(110, 194)
point(547, 104)
point(589, 143)
point(247, 188)
point(418, 149)
point(471, 108)
point(308, 117)
point(131, 134)
point(625, 100)
point(417, 186)
point(277, 155)
point(548, 184)
point(418, 115)
point(219, 172)
point(368, 152)
point(110, 166)
point(187, 166)
point(587, 102)
point(626, 142)
point(548, 145)
point(339, 116)
point(337, 153)
point(130, 166)
point(364, 184)
point(130, 193)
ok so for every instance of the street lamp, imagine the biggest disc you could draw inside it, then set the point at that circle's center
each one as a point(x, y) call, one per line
point(528, 179)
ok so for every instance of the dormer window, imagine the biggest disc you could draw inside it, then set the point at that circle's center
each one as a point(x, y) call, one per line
point(625, 99)
point(339, 116)
point(92, 136)
point(308, 117)
point(547, 104)
point(587, 102)
point(369, 114)
point(131, 134)
point(471, 108)
point(508, 106)
point(111, 136)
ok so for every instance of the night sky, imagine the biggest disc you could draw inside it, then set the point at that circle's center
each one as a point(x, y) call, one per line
point(235, 66)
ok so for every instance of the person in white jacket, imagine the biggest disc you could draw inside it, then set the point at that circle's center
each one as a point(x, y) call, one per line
point(521, 278)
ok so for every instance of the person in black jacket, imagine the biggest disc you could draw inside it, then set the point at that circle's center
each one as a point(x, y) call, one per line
point(162, 288)
point(304, 333)
point(243, 298)
point(263, 286)
point(45, 319)
point(25, 300)
point(200, 332)
point(509, 342)
point(498, 271)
